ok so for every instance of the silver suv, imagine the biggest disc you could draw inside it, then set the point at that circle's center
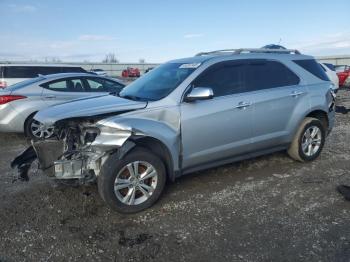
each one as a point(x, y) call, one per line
point(187, 115)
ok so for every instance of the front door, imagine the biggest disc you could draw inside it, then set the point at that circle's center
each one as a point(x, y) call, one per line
point(218, 128)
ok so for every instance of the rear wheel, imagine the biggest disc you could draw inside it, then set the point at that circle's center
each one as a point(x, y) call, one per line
point(308, 141)
point(133, 183)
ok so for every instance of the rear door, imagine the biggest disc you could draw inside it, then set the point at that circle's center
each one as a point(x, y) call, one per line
point(63, 90)
point(277, 94)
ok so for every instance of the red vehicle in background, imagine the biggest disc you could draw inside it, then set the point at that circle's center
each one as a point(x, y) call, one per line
point(131, 72)
point(343, 72)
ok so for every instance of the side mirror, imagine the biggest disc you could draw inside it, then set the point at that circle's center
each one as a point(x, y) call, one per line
point(199, 93)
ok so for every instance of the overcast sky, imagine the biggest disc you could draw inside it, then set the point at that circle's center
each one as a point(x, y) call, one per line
point(160, 30)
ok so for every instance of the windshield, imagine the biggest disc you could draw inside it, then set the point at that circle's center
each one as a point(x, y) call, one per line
point(24, 83)
point(158, 83)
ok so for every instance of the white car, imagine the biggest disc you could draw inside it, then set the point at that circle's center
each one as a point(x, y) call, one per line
point(13, 73)
point(332, 74)
point(20, 102)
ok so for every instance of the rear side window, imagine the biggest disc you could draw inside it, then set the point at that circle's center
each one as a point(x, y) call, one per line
point(269, 74)
point(66, 85)
point(47, 70)
point(72, 70)
point(34, 71)
point(224, 78)
point(20, 71)
point(313, 67)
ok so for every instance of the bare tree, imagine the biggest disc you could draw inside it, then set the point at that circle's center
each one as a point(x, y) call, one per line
point(110, 58)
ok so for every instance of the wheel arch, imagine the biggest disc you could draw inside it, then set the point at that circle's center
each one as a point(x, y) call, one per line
point(26, 122)
point(315, 113)
point(320, 115)
point(159, 149)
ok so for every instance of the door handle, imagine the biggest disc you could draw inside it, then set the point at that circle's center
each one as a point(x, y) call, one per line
point(296, 93)
point(243, 104)
point(50, 97)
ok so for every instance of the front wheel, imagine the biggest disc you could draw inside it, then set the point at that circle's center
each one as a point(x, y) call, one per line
point(35, 130)
point(134, 183)
point(308, 141)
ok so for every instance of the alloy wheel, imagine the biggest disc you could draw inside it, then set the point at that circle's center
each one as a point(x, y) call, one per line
point(311, 141)
point(39, 130)
point(135, 183)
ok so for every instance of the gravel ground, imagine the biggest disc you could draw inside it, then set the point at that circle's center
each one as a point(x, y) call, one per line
point(265, 209)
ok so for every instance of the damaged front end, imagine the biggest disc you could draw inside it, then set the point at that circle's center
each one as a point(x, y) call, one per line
point(77, 150)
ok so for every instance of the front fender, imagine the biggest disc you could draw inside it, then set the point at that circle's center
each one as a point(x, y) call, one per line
point(125, 128)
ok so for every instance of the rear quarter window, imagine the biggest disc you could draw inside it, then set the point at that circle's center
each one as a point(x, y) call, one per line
point(313, 67)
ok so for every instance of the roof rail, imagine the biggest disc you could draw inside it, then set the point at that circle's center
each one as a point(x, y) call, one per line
point(251, 50)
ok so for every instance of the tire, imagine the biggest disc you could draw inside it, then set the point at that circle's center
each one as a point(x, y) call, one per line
point(306, 154)
point(28, 129)
point(114, 168)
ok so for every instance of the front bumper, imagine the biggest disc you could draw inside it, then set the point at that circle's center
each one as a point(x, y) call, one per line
point(82, 166)
point(77, 159)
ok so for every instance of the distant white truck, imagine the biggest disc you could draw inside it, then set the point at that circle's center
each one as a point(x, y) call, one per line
point(13, 73)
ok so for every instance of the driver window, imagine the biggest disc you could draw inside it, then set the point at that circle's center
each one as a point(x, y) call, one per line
point(224, 78)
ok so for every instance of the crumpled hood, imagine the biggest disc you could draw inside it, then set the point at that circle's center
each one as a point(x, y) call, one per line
point(86, 107)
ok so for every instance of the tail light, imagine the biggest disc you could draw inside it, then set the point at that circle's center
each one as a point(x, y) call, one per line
point(3, 84)
point(9, 98)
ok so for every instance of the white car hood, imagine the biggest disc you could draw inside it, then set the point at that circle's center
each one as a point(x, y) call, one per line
point(86, 107)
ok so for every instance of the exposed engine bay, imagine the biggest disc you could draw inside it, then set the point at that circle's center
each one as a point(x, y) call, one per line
point(77, 150)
